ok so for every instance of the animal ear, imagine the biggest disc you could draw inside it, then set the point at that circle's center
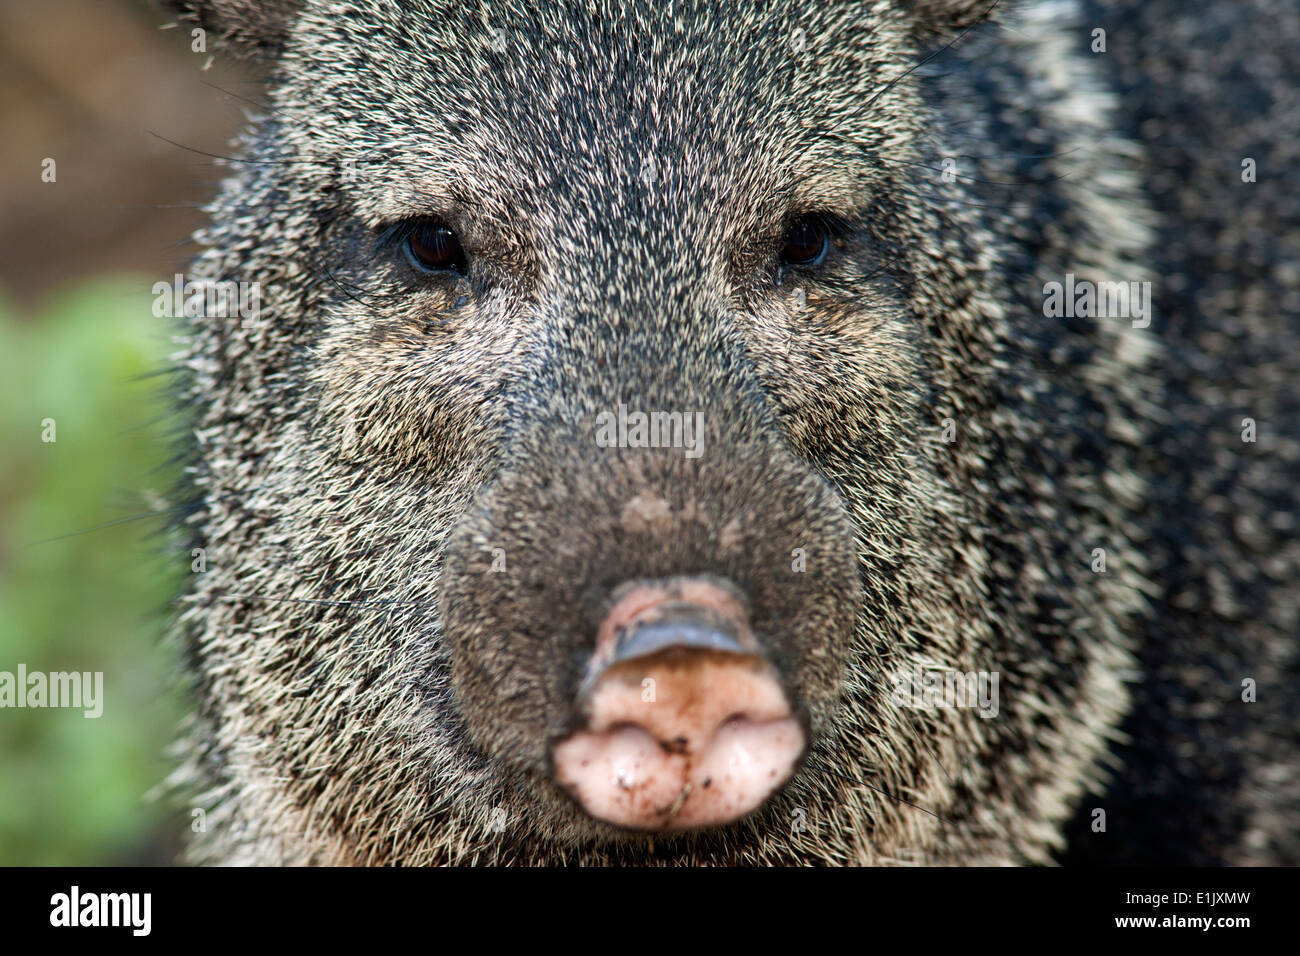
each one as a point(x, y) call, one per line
point(943, 19)
point(247, 28)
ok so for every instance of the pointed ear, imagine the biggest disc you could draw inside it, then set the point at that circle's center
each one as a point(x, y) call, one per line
point(941, 20)
point(248, 29)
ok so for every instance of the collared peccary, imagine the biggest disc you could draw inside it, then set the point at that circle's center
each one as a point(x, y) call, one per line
point(750, 433)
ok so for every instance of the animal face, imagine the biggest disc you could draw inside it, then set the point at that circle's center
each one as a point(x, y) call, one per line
point(600, 459)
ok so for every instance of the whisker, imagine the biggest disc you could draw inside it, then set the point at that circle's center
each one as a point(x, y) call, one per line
point(943, 49)
point(385, 603)
point(252, 102)
point(191, 506)
point(249, 162)
point(915, 806)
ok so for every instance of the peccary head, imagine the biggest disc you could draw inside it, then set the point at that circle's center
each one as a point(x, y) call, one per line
point(581, 490)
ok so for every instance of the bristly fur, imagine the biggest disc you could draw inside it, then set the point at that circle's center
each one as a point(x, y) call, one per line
point(619, 174)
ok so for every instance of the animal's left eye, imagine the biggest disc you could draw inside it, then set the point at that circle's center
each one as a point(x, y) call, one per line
point(435, 248)
point(805, 242)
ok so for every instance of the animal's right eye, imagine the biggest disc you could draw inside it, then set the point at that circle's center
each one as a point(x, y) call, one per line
point(805, 242)
point(433, 247)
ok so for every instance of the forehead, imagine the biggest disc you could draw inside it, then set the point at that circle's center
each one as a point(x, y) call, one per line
point(555, 98)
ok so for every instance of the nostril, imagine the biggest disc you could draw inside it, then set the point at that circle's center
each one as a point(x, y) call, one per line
point(678, 745)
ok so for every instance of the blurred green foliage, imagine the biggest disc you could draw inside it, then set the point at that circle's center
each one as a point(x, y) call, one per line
point(72, 789)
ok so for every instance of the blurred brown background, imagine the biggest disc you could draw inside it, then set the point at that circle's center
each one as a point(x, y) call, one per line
point(85, 82)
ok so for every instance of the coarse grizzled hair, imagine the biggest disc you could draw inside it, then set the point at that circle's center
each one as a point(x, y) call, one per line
point(994, 486)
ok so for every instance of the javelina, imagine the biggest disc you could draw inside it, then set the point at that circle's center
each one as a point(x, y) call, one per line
point(730, 433)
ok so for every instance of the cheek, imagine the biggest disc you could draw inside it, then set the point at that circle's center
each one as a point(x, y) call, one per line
point(845, 381)
point(399, 394)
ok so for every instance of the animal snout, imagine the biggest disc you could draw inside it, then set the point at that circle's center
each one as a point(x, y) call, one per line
point(645, 640)
point(681, 722)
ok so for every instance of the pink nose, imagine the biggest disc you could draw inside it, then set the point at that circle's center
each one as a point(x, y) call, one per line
point(685, 724)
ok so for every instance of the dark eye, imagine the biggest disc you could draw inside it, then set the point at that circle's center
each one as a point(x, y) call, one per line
point(434, 247)
point(805, 242)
